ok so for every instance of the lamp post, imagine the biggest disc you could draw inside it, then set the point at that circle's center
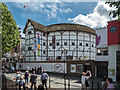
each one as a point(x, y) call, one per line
point(65, 53)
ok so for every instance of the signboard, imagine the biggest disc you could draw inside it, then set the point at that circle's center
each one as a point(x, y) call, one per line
point(113, 29)
point(79, 68)
point(112, 72)
point(73, 68)
point(58, 67)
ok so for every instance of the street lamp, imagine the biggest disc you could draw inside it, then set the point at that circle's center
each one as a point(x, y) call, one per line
point(65, 53)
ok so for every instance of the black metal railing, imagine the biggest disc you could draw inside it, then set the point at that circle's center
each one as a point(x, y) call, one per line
point(8, 84)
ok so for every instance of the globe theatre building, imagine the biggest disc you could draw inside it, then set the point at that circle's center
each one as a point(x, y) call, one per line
point(60, 47)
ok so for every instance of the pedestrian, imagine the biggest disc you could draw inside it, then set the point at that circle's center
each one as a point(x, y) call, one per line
point(109, 82)
point(17, 77)
point(33, 80)
point(21, 81)
point(12, 69)
point(104, 84)
point(42, 71)
point(39, 70)
point(44, 78)
point(20, 72)
point(83, 80)
point(28, 69)
point(87, 76)
point(27, 77)
point(33, 69)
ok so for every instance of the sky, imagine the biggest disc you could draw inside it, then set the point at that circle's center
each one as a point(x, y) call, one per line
point(92, 14)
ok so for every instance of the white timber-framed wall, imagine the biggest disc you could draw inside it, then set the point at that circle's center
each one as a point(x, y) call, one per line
point(69, 44)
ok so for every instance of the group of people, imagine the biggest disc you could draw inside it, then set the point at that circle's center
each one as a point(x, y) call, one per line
point(106, 84)
point(38, 70)
point(33, 78)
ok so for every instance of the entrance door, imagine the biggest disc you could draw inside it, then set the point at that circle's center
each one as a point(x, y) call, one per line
point(118, 65)
point(102, 71)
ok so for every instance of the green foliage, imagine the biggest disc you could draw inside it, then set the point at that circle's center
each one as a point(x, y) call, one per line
point(115, 13)
point(10, 32)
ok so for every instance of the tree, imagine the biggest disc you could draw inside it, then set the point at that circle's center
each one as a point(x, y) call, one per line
point(10, 32)
point(116, 12)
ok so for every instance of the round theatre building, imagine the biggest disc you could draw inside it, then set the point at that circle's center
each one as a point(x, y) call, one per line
point(64, 47)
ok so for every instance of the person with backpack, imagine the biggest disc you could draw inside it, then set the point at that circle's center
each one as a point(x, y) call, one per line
point(26, 77)
point(84, 79)
point(44, 78)
point(33, 80)
point(17, 77)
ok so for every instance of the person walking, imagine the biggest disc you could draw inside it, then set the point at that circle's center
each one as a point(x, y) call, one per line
point(39, 70)
point(83, 80)
point(42, 71)
point(28, 69)
point(104, 84)
point(17, 77)
point(33, 69)
point(44, 78)
point(109, 82)
point(27, 77)
point(33, 80)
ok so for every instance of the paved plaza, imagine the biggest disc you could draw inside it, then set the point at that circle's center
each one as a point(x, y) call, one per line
point(57, 81)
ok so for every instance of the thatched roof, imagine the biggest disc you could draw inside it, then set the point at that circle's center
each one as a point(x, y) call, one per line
point(70, 27)
point(60, 27)
point(36, 25)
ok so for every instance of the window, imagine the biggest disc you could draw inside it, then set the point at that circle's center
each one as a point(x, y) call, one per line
point(57, 43)
point(92, 45)
point(44, 43)
point(65, 43)
point(43, 52)
point(43, 34)
point(29, 48)
point(29, 32)
point(80, 44)
point(86, 44)
point(50, 44)
point(73, 43)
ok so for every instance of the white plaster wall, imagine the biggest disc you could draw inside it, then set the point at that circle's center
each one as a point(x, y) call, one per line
point(112, 59)
point(46, 66)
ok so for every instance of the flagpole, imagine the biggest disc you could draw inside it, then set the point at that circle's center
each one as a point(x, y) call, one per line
point(27, 10)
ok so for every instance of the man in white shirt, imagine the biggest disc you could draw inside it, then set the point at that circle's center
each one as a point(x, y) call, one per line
point(85, 76)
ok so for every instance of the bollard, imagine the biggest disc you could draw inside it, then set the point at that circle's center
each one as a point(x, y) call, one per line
point(19, 86)
point(92, 85)
point(68, 84)
point(24, 86)
point(97, 85)
point(65, 83)
point(5, 83)
point(49, 81)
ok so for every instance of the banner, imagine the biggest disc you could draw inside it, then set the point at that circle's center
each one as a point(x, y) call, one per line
point(98, 38)
point(53, 42)
point(38, 44)
point(73, 68)
point(79, 68)
point(35, 44)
